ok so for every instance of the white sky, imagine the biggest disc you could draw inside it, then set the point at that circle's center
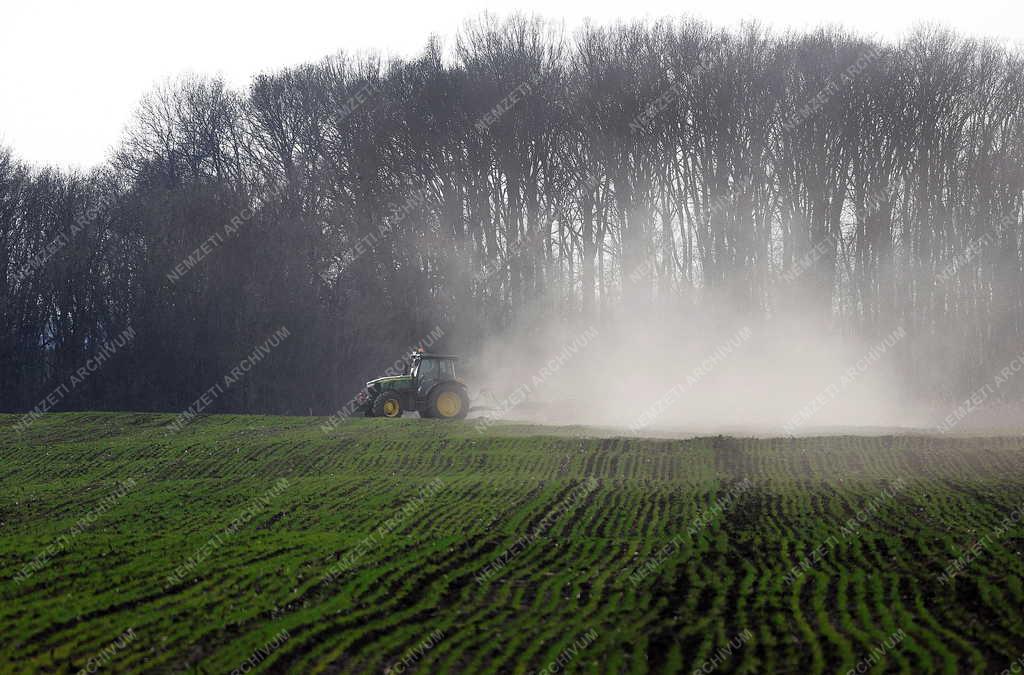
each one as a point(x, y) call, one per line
point(72, 72)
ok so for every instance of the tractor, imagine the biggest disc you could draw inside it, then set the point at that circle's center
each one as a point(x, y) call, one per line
point(428, 386)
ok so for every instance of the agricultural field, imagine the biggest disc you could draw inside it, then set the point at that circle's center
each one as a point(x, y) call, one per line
point(266, 544)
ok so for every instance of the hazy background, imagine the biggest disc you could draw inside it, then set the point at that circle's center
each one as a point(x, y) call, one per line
point(658, 186)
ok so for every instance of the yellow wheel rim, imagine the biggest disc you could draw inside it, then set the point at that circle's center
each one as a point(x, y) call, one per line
point(391, 408)
point(449, 404)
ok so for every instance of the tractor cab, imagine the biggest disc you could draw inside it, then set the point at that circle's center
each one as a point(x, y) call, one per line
point(428, 386)
point(427, 368)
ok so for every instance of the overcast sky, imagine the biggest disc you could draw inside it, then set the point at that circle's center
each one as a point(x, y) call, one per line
point(71, 73)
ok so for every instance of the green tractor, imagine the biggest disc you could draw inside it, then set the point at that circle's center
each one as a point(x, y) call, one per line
point(428, 386)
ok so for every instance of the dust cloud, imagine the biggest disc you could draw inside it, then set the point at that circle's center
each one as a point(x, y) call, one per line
point(665, 373)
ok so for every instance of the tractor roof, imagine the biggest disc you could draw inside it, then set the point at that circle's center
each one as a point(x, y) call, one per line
point(427, 355)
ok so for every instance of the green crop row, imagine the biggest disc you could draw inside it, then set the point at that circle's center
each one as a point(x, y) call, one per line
point(506, 547)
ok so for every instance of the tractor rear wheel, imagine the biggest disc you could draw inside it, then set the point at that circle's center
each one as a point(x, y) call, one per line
point(387, 405)
point(448, 402)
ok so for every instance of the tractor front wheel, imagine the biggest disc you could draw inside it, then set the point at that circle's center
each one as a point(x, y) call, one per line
point(387, 405)
point(448, 402)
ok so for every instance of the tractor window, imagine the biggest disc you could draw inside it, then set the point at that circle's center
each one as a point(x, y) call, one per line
point(427, 370)
point(447, 369)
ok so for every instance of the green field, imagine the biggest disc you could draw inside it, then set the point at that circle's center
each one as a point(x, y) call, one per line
point(427, 546)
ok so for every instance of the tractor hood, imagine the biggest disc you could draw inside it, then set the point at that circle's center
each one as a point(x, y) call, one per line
point(393, 378)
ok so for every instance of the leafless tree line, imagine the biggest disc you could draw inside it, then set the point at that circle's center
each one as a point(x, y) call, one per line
point(526, 173)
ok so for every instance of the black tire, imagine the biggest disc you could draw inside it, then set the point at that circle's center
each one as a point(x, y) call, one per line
point(381, 407)
point(440, 403)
